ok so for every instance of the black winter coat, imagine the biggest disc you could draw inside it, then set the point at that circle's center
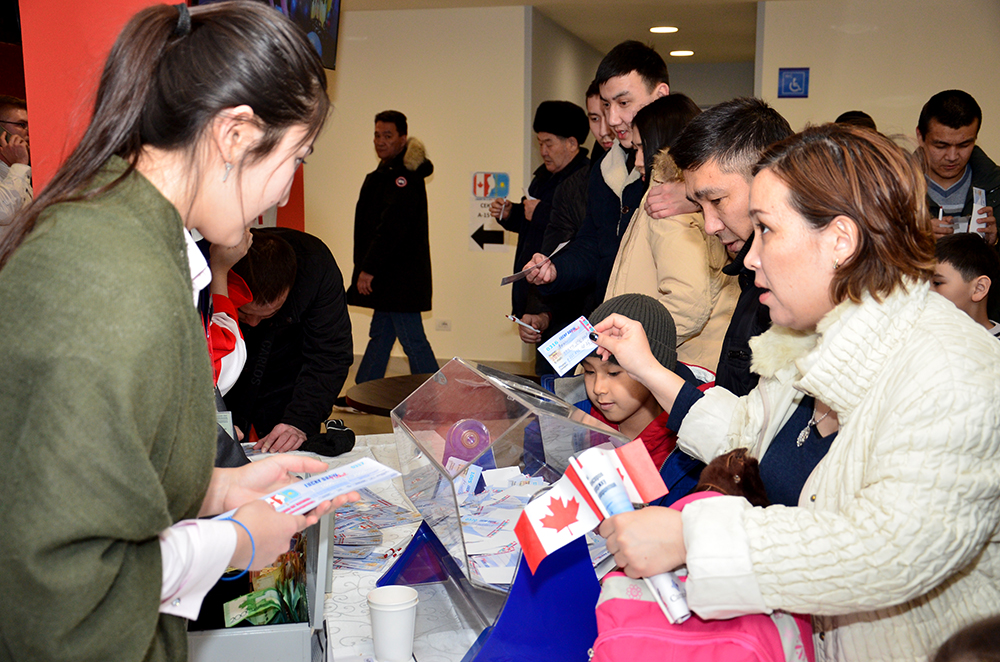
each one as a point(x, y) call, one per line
point(297, 360)
point(391, 236)
point(530, 233)
point(750, 318)
point(589, 258)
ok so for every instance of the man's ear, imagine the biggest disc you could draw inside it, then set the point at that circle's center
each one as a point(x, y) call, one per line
point(981, 289)
point(234, 130)
point(573, 143)
point(661, 90)
point(845, 237)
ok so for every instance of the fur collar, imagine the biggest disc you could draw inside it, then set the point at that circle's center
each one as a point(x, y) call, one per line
point(414, 155)
point(853, 339)
point(779, 347)
point(664, 168)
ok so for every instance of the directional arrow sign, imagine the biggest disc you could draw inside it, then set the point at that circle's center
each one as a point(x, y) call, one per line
point(482, 236)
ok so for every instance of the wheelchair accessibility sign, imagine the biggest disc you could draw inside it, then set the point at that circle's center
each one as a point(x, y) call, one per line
point(793, 83)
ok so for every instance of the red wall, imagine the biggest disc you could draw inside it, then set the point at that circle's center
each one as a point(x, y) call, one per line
point(65, 43)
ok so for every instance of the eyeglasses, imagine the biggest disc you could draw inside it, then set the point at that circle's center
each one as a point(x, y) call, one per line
point(20, 125)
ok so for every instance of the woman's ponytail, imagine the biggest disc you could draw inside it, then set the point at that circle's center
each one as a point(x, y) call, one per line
point(169, 74)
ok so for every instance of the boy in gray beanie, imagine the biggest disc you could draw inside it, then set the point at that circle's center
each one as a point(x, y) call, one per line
point(622, 403)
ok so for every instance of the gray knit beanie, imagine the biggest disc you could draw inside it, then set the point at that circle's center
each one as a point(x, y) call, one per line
point(655, 319)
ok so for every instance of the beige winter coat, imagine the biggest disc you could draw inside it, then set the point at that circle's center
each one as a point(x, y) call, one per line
point(673, 260)
point(896, 541)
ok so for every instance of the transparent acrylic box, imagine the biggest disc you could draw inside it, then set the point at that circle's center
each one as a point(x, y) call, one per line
point(472, 414)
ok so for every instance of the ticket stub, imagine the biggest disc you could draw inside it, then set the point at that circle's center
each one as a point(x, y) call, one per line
point(978, 202)
point(303, 496)
point(507, 280)
point(570, 346)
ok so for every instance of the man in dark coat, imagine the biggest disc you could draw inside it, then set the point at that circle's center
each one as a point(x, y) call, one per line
point(716, 152)
point(298, 337)
point(392, 256)
point(631, 76)
point(953, 165)
point(560, 128)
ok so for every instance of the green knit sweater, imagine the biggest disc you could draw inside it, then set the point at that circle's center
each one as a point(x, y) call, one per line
point(107, 427)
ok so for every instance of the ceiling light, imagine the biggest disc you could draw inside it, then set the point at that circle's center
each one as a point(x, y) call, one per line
point(663, 29)
point(682, 53)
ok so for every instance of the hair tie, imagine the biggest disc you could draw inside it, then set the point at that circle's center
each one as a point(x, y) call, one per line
point(253, 550)
point(183, 27)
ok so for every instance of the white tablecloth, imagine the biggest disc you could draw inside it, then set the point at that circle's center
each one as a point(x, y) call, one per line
point(349, 632)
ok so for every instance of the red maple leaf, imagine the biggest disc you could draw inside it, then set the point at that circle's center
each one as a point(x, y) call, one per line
point(563, 514)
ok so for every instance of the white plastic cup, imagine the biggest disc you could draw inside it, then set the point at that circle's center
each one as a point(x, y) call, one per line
point(393, 611)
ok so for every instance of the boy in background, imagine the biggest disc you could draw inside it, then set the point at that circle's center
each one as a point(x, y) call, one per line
point(966, 269)
point(622, 403)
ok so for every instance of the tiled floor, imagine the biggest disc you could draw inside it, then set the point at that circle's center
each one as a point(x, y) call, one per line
point(371, 424)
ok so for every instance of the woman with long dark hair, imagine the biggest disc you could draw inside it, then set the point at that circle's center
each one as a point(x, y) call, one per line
point(672, 259)
point(107, 417)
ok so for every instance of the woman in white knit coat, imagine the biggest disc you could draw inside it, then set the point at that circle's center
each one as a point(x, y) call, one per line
point(672, 259)
point(895, 540)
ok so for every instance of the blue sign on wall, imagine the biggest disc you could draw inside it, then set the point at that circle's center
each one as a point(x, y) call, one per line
point(793, 83)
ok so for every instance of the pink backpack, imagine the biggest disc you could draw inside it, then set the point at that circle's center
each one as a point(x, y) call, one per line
point(631, 627)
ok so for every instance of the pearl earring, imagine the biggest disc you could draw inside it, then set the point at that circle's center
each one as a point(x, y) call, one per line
point(229, 167)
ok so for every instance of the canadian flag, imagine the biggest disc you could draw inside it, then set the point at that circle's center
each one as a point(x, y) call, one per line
point(483, 183)
point(571, 508)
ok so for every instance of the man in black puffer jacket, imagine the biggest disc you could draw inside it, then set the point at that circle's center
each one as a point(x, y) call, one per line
point(392, 255)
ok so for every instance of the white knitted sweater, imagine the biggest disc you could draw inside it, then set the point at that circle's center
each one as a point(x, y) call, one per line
point(896, 540)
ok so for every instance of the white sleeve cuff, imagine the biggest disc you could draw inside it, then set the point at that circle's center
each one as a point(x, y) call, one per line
point(195, 554)
point(231, 365)
point(721, 582)
point(703, 432)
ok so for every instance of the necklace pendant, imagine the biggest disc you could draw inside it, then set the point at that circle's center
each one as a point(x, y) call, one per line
point(801, 439)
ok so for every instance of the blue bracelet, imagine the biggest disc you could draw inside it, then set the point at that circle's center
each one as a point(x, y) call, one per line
point(253, 550)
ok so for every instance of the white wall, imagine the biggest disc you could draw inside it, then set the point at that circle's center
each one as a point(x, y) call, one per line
point(885, 57)
point(468, 81)
point(458, 75)
point(709, 83)
point(561, 65)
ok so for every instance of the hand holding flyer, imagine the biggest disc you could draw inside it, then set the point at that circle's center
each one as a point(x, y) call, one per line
point(571, 507)
point(614, 499)
point(507, 280)
point(978, 203)
point(301, 497)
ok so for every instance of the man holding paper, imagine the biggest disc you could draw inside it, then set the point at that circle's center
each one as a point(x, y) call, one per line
point(955, 168)
point(561, 127)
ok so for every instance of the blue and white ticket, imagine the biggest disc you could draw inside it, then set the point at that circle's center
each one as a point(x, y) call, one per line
point(570, 346)
point(303, 496)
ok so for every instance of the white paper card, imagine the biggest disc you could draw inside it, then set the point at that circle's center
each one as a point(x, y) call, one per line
point(500, 477)
point(303, 496)
point(978, 202)
point(570, 346)
point(506, 280)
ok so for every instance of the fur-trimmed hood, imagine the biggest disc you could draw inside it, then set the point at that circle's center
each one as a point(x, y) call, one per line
point(664, 168)
point(415, 158)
